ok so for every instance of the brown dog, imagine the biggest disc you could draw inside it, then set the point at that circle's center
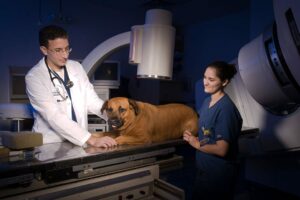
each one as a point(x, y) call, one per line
point(135, 122)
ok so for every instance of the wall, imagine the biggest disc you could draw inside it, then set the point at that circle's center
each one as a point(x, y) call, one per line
point(261, 17)
point(88, 23)
point(218, 39)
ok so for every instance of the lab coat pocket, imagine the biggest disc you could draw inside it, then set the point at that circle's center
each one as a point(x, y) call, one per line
point(60, 101)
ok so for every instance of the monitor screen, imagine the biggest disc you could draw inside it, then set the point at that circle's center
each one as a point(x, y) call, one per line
point(107, 74)
point(17, 86)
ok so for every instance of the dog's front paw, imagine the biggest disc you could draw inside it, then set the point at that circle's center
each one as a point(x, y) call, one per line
point(119, 140)
point(98, 134)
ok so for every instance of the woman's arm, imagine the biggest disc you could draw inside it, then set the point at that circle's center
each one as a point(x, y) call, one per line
point(220, 148)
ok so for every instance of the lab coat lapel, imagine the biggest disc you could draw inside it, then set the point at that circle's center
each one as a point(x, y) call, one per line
point(75, 93)
point(45, 74)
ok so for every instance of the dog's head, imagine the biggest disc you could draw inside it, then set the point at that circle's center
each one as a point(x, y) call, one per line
point(120, 111)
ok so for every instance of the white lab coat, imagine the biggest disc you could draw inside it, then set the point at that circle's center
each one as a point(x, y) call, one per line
point(53, 119)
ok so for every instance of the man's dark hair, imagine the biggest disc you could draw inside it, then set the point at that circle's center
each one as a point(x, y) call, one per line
point(51, 32)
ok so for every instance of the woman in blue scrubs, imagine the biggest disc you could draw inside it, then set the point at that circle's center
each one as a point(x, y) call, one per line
point(217, 142)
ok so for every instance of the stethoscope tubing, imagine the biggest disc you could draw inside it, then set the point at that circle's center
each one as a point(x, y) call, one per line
point(53, 75)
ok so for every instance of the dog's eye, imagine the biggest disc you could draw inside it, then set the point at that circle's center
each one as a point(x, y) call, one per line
point(109, 110)
point(122, 109)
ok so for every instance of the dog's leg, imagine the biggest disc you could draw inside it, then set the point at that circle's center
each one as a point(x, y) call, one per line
point(192, 126)
point(125, 139)
point(102, 134)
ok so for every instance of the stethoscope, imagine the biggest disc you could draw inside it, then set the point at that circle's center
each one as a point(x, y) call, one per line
point(67, 83)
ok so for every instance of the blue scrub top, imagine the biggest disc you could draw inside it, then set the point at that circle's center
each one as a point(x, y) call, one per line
point(222, 121)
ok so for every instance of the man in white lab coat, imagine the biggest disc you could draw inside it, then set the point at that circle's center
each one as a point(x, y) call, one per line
point(61, 93)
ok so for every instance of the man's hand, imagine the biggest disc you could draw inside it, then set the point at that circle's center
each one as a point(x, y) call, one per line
point(101, 141)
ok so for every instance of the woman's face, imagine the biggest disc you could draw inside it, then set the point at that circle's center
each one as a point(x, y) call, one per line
point(212, 83)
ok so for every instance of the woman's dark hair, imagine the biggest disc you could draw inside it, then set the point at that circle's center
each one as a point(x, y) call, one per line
point(224, 70)
point(51, 32)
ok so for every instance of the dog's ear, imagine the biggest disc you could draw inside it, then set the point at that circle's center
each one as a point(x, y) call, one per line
point(134, 105)
point(104, 106)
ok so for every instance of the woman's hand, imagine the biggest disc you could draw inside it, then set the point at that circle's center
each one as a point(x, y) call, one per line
point(220, 148)
point(192, 140)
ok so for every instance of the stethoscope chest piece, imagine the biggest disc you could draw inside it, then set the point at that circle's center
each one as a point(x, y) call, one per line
point(69, 84)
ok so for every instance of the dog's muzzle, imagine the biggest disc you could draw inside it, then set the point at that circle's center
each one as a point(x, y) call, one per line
point(115, 123)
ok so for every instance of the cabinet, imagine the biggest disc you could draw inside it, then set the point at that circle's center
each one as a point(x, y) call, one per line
point(102, 92)
point(65, 171)
point(95, 123)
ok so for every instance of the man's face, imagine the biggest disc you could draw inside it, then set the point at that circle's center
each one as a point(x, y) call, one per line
point(57, 52)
